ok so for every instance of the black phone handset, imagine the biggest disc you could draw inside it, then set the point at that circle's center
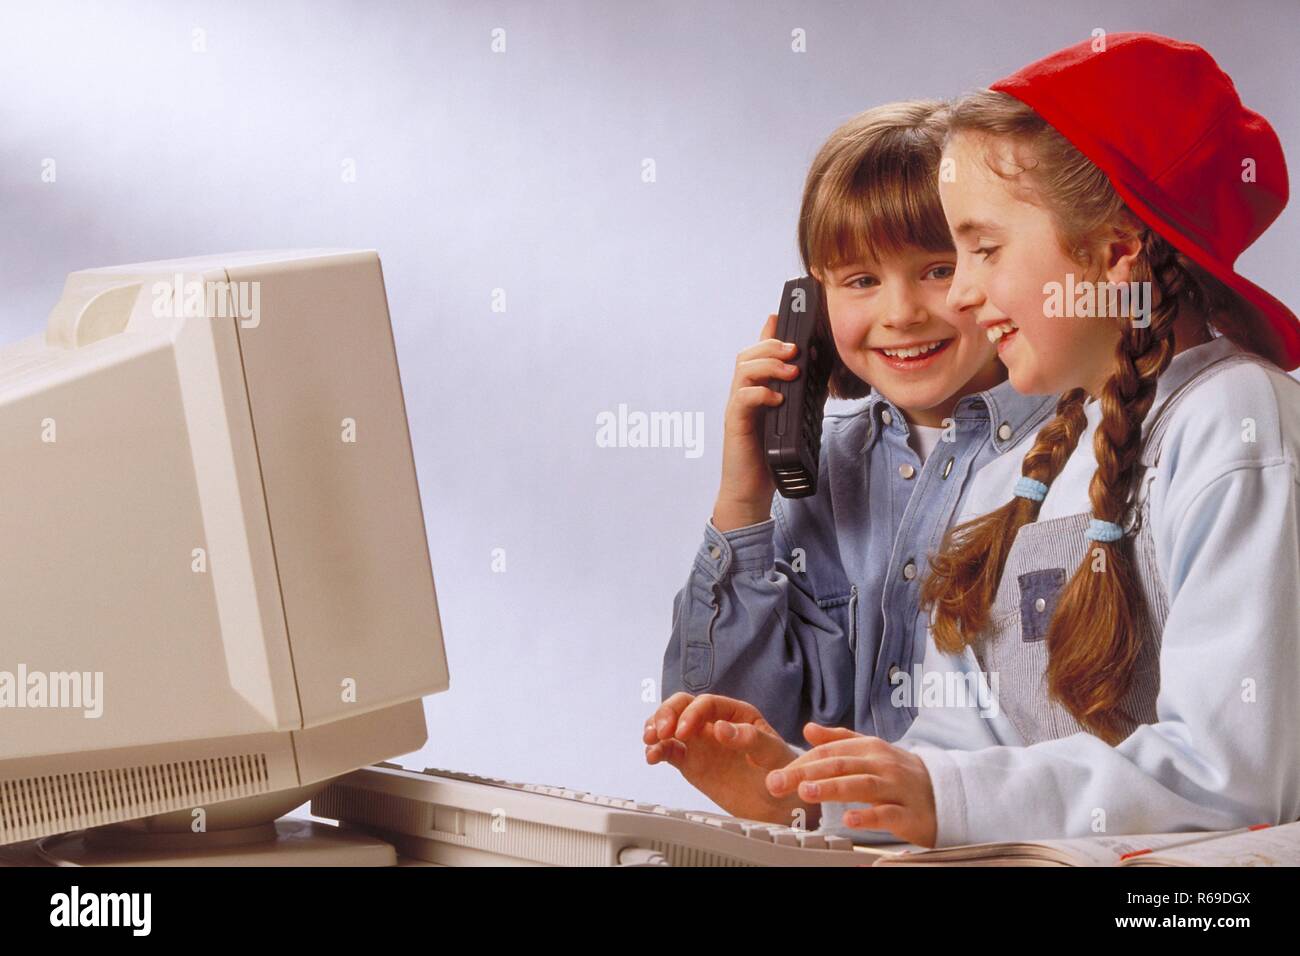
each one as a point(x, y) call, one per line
point(792, 431)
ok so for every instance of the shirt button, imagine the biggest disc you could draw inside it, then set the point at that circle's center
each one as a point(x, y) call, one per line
point(1040, 605)
point(1004, 431)
point(887, 418)
point(893, 669)
point(947, 469)
point(909, 570)
point(906, 470)
point(715, 551)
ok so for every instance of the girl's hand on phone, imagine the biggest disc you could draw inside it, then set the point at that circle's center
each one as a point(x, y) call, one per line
point(745, 494)
point(848, 767)
point(725, 749)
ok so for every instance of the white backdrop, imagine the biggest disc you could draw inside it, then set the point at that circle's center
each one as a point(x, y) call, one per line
point(190, 128)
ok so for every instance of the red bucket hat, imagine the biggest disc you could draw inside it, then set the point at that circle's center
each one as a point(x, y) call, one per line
point(1165, 124)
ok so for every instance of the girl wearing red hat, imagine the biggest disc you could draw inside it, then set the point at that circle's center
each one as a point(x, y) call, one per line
point(1133, 587)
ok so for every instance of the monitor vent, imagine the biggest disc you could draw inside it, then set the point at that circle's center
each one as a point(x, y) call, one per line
point(32, 807)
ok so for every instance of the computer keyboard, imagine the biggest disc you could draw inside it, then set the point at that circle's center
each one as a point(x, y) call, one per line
point(462, 819)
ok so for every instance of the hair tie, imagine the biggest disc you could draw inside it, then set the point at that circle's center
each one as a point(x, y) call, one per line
point(1099, 530)
point(1030, 488)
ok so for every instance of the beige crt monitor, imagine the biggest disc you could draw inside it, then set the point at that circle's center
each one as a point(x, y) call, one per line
point(215, 588)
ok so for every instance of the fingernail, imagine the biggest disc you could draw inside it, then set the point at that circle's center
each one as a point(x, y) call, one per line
point(777, 780)
point(728, 730)
point(810, 790)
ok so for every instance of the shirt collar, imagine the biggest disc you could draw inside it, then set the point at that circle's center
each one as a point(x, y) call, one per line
point(1010, 415)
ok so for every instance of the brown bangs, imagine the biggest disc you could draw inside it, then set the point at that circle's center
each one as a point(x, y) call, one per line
point(872, 193)
point(878, 203)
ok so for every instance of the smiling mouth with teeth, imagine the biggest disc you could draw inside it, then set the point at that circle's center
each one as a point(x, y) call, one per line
point(996, 332)
point(915, 351)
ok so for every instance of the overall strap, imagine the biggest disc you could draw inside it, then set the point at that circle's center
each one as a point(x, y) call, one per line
point(1155, 591)
point(1154, 441)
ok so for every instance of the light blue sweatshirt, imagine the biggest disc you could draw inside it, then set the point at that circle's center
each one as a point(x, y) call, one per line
point(1224, 750)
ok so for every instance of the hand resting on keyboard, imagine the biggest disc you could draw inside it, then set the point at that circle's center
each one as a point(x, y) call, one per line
point(726, 750)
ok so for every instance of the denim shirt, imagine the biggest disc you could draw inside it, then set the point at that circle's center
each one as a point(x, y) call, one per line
point(809, 614)
point(1224, 748)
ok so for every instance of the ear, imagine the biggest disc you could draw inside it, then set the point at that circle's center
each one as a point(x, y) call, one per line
point(1120, 255)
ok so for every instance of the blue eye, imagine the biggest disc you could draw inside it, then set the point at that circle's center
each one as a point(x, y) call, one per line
point(853, 283)
point(949, 270)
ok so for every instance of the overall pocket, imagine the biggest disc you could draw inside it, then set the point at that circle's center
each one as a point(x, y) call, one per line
point(1039, 592)
point(1014, 649)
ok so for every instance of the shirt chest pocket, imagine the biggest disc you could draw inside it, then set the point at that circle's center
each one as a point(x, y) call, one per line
point(1039, 592)
point(843, 610)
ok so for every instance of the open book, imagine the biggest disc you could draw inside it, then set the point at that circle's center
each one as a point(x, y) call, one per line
point(1262, 845)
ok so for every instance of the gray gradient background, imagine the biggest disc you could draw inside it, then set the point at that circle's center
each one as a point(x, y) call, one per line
point(521, 171)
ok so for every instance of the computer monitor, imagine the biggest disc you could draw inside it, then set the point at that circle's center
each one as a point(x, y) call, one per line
point(214, 573)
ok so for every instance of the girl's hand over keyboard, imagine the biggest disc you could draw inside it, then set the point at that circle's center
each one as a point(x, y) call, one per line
point(848, 767)
point(725, 748)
